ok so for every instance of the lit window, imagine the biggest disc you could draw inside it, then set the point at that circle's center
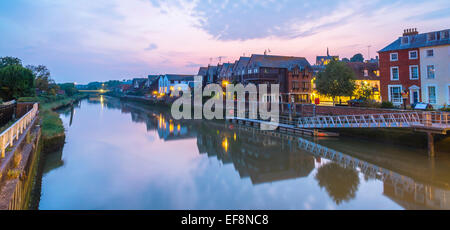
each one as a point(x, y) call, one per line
point(432, 94)
point(430, 71)
point(394, 73)
point(366, 73)
point(413, 54)
point(413, 72)
point(394, 56)
point(430, 53)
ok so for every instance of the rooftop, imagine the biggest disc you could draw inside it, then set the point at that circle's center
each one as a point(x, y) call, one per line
point(416, 40)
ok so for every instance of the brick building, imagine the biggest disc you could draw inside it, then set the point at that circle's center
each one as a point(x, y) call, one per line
point(400, 69)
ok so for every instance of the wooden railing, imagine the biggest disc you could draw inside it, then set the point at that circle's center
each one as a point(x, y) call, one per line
point(12, 133)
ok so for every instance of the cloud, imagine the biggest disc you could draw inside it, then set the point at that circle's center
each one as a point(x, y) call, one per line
point(152, 46)
point(89, 40)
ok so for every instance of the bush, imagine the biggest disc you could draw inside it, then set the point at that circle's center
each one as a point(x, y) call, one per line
point(387, 105)
point(13, 173)
point(28, 99)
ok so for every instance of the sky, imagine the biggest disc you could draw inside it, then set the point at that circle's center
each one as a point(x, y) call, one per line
point(98, 40)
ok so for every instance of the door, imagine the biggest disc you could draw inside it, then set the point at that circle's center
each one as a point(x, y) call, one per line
point(415, 96)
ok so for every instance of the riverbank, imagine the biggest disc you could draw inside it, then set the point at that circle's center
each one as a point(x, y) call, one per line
point(52, 127)
point(397, 136)
point(53, 135)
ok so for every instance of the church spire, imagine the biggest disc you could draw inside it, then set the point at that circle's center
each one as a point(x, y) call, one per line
point(328, 53)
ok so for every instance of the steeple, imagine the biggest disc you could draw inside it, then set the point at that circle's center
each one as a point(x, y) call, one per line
point(328, 53)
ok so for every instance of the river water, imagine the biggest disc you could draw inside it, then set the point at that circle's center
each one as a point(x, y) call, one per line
point(122, 155)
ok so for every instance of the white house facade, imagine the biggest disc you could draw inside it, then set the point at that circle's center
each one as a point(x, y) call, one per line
point(435, 72)
point(169, 82)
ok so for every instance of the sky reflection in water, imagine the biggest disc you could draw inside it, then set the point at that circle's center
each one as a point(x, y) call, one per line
point(119, 157)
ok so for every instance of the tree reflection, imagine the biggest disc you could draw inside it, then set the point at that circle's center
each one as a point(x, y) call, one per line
point(340, 183)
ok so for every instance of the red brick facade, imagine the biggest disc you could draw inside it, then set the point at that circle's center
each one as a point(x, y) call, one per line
point(403, 63)
point(299, 85)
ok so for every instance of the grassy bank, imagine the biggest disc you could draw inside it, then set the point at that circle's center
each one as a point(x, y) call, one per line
point(51, 125)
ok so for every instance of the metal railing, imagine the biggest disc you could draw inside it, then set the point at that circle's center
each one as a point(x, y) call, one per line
point(383, 120)
point(12, 133)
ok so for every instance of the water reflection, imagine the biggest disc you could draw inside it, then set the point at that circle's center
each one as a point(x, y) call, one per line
point(283, 171)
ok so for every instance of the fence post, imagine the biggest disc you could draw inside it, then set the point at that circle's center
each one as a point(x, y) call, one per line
point(427, 119)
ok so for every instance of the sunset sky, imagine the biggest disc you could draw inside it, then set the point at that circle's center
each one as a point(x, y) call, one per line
point(97, 40)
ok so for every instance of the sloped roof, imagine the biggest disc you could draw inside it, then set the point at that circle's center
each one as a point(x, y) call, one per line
point(416, 41)
point(359, 67)
point(241, 63)
point(202, 71)
point(288, 62)
point(179, 77)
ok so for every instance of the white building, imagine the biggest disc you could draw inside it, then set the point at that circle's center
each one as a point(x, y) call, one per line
point(435, 69)
point(168, 82)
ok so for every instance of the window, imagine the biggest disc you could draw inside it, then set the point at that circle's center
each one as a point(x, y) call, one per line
point(432, 94)
point(430, 53)
point(430, 71)
point(249, 71)
point(376, 72)
point(431, 36)
point(394, 56)
point(405, 40)
point(394, 73)
point(444, 34)
point(395, 94)
point(366, 73)
point(256, 70)
point(413, 72)
point(413, 54)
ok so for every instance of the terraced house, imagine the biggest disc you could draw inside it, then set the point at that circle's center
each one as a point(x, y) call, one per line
point(417, 66)
point(293, 74)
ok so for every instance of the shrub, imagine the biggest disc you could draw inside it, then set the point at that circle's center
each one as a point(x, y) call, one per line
point(28, 99)
point(387, 104)
point(13, 173)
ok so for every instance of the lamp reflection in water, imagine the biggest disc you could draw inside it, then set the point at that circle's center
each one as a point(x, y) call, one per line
point(225, 144)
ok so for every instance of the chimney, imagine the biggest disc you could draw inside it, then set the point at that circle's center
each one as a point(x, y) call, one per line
point(411, 31)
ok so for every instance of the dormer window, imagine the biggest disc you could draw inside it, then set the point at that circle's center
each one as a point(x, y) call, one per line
point(405, 40)
point(431, 36)
point(445, 34)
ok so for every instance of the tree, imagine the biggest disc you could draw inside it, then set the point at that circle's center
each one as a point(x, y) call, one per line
point(364, 91)
point(345, 60)
point(16, 81)
point(43, 80)
point(357, 58)
point(340, 183)
point(7, 61)
point(69, 88)
point(338, 79)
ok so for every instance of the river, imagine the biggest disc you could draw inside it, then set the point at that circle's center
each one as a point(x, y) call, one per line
point(122, 155)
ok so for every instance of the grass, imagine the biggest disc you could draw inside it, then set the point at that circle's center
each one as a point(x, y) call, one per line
point(51, 124)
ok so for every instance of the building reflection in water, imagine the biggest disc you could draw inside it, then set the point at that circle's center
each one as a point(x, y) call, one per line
point(265, 158)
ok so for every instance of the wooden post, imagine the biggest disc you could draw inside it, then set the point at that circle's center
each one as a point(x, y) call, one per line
point(431, 152)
